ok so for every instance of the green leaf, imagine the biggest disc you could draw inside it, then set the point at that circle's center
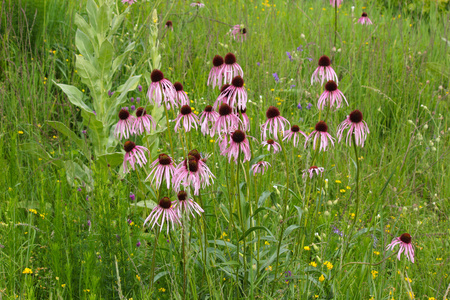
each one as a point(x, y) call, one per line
point(75, 97)
point(263, 197)
point(86, 29)
point(91, 8)
point(89, 76)
point(222, 243)
point(113, 159)
point(75, 171)
point(105, 60)
point(39, 151)
point(119, 59)
point(250, 230)
point(160, 275)
point(84, 44)
point(116, 22)
point(150, 204)
point(70, 134)
point(129, 85)
point(103, 19)
point(290, 229)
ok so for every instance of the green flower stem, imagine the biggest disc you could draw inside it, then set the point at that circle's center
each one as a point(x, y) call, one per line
point(168, 130)
point(283, 221)
point(152, 270)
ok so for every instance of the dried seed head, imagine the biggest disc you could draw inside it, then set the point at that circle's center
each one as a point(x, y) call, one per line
point(217, 61)
point(322, 126)
point(123, 114)
point(165, 203)
point(129, 146)
point(164, 159)
point(238, 81)
point(331, 86)
point(140, 112)
point(406, 238)
point(157, 76)
point(185, 110)
point(178, 86)
point(356, 116)
point(238, 136)
point(225, 109)
point(230, 59)
point(272, 112)
point(324, 61)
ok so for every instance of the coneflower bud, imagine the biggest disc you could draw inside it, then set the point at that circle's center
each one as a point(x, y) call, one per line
point(156, 76)
point(238, 136)
point(272, 112)
point(140, 112)
point(225, 109)
point(324, 61)
point(165, 203)
point(406, 238)
point(217, 61)
point(178, 86)
point(356, 116)
point(230, 59)
point(322, 126)
point(123, 114)
point(185, 110)
point(129, 146)
point(331, 86)
point(238, 82)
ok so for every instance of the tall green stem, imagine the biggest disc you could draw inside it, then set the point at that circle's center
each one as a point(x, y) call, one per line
point(152, 270)
point(168, 129)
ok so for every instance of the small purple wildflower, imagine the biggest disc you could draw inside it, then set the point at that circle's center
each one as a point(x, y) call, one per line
point(132, 99)
point(84, 131)
point(133, 107)
point(168, 241)
point(99, 257)
point(118, 237)
point(94, 112)
point(140, 88)
point(79, 189)
point(138, 244)
point(89, 223)
point(2, 246)
point(275, 76)
point(132, 196)
point(138, 99)
point(87, 198)
point(289, 55)
point(288, 274)
point(258, 64)
point(375, 240)
point(309, 58)
point(337, 231)
point(300, 48)
point(292, 86)
point(129, 221)
point(299, 106)
point(308, 106)
point(110, 93)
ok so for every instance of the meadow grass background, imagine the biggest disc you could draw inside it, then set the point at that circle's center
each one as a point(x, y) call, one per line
point(396, 72)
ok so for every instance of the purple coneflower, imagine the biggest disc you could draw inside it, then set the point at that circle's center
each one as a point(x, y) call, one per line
point(223, 96)
point(192, 172)
point(245, 120)
point(238, 142)
point(275, 123)
point(161, 87)
point(260, 167)
point(186, 205)
point(335, 2)
point(143, 122)
point(216, 74)
point(134, 154)
point(293, 134)
point(231, 68)
point(331, 96)
point(235, 93)
point(162, 168)
point(124, 127)
point(312, 170)
point(181, 96)
point(208, 117)
point(198, 4)
point(324, 71)
point(163, 209)
point(238, 33)
point(169, 25)
point(356, 125)
point(405, 246)
point(271, 144)
point(129, 1)
point(364, 20)
point(189, 119)
point(226, 122)
point(320, 132)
